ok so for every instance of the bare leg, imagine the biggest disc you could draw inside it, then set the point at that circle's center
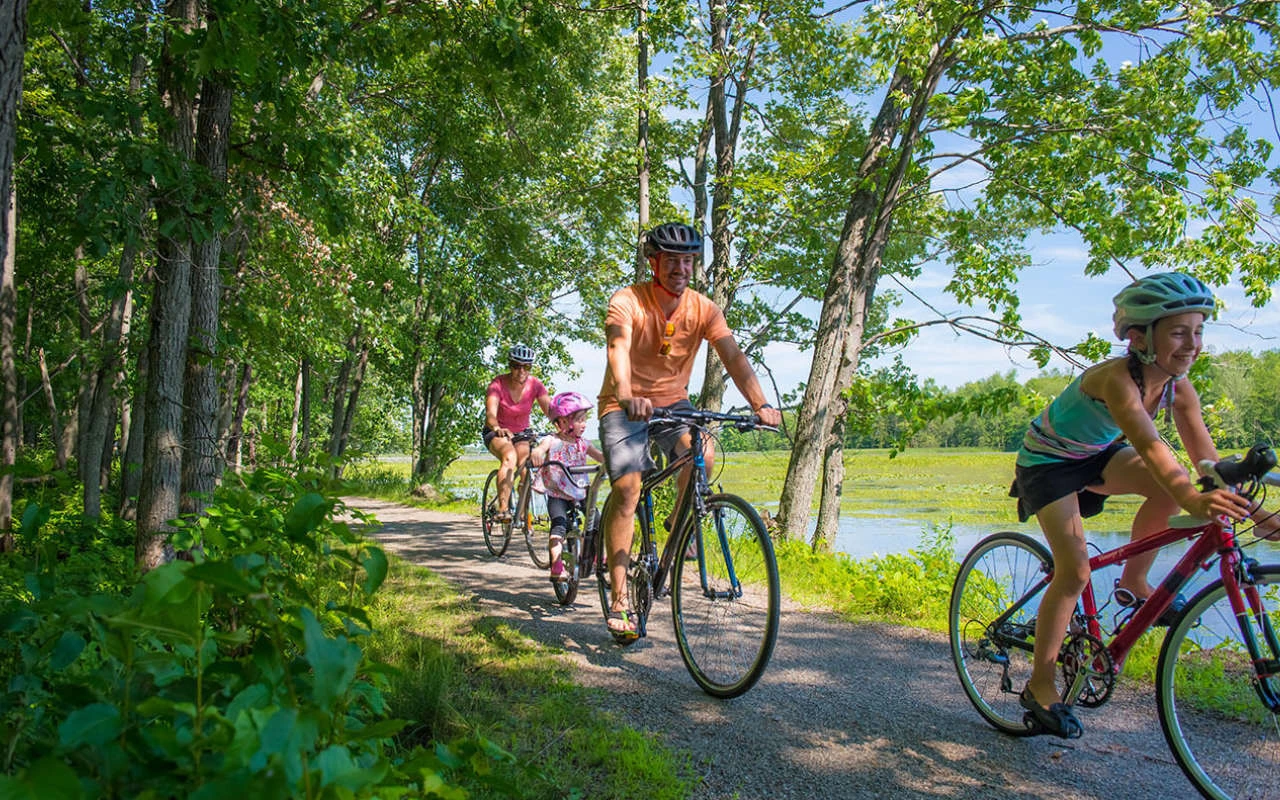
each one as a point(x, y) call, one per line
point(507, 456)
point(1062, 526)
point(1127, 473)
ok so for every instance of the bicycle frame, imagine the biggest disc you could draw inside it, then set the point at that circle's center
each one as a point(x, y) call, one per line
point(1210, 539)
point(691, 509)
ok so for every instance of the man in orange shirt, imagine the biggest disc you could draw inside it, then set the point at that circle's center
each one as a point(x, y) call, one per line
point(653, 332)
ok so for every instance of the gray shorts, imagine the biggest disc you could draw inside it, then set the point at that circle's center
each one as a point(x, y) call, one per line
point(625, 441)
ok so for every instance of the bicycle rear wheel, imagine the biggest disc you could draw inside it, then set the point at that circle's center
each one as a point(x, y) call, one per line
point(726, 629)
point(496, 535)
point(993, 659)
point(1225, 739)
point(537, 529)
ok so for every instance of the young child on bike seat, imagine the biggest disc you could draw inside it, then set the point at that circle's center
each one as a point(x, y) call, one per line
point(1099, 438)
point(568, 446)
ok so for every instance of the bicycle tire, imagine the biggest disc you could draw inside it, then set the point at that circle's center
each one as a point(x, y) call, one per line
point(991, 666)
point(1226, 740)
point(726, 634)
point(567, 590)
point(496, 535)
point(537, 529)
point(639, 595)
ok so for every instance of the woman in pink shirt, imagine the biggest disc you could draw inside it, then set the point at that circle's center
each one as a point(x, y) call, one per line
point(507, 406)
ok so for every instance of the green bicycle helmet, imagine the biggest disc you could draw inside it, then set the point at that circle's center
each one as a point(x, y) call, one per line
point(1154, 297)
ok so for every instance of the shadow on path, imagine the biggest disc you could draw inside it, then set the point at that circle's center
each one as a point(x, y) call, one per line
point(844, 711)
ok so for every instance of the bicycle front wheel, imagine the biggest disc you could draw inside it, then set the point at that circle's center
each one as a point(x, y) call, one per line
point(638, 594)
point(496, 535)
point(567, 590)
point(725, 602)
point(991, 638)
point(537, 529)
point(1209, 694)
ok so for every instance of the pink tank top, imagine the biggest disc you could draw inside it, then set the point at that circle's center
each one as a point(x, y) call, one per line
point(514, 415)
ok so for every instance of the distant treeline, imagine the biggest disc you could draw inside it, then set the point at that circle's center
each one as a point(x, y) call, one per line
point(1239, 390)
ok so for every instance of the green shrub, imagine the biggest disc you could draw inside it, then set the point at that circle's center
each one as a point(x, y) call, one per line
point(242, 672)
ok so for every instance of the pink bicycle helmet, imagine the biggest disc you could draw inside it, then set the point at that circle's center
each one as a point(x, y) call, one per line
point(566, 403)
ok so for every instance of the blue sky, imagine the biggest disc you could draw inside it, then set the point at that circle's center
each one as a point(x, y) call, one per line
point(1058, 303)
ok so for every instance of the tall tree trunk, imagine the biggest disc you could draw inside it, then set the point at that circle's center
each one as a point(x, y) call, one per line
point(349, 414)
point(13, 42)
point(642, 137)
point(235, 438)
point(131, 461)
point(854, 272)
point(202, 465)
point(304, 447)
point(99, 423)
point(78, 425)
point(297, 412)
point(55, 419)
point(170, 312)
point(726, 125)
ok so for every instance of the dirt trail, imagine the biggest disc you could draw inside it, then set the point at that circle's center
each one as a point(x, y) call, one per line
point(844, 710)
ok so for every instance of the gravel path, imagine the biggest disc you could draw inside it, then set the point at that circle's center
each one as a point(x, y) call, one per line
point(844, 710)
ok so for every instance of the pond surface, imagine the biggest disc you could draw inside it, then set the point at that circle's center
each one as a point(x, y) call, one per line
point(867, 536)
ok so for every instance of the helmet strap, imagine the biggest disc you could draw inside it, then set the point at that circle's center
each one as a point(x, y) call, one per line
point(1148, 355)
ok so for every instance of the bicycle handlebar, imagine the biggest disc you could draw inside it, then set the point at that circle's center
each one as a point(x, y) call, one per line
point(1234, 471)
point(747, 422)
point(588, 469)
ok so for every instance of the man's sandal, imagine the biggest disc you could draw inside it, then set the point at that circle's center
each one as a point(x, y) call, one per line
point(1057, 719)
point(625, 628)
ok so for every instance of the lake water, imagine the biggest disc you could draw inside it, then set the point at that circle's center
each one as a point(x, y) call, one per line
point(864, 537)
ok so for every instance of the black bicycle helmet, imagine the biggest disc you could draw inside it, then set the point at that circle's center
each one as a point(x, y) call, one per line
point(520, 354)
point(672, 237)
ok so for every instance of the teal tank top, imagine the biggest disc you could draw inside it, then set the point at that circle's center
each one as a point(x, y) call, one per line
point(1072, 427)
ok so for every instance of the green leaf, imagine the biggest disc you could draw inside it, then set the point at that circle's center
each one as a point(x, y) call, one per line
point(94, 725)
point(333, 661)
point(46, 779)
point(223, 576)
point(69, 647)
point(375, 568)
point(306, 515)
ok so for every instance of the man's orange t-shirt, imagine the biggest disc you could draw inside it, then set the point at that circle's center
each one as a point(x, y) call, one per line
point(662, 379)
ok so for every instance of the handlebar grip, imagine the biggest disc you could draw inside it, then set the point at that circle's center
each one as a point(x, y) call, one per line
point(1235, 471)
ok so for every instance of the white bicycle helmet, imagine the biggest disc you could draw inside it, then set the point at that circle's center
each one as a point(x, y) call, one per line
point(566, 403)
point(520, 354)
point(1154, 297)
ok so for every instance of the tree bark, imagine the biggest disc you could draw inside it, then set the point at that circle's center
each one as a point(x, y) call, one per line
point(13, 41)
point(235, 437)
point(726, 126)
point(642, 140)
point(170, 312)
point(99, 423)
point(202, 465)
point(854, 272)
point(297, 412)
point(55, 419)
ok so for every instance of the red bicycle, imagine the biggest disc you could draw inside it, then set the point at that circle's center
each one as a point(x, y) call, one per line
point(1218, 675)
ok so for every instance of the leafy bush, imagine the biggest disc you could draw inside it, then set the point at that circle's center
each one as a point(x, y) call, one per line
point(915, 587)
point(241, 672)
